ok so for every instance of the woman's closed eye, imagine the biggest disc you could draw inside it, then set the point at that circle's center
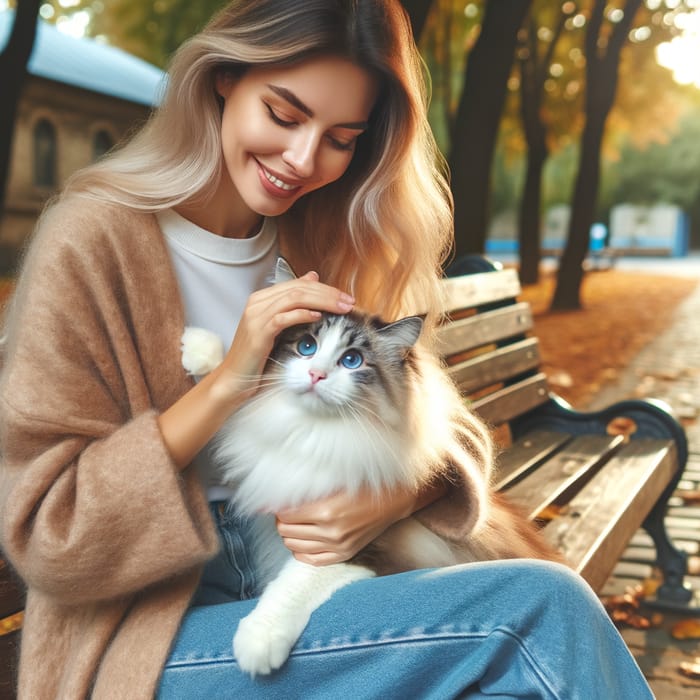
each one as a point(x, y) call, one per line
point(279, 118)
point(288, 122)
point(342, 145)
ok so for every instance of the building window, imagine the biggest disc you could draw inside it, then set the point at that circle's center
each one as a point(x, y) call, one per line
point(44, 154)
point(101, 143)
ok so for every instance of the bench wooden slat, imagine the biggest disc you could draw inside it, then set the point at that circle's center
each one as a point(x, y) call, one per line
point(496, 366)
point(572, 465)
point(489, 327)
point(526, 454)
point(504, 404)
point(482, 288)
point(595, 527)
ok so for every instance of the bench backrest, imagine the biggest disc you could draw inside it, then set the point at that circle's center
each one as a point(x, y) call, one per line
point(486, 345)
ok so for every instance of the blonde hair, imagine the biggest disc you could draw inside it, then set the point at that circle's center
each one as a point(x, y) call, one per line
point(383, 230)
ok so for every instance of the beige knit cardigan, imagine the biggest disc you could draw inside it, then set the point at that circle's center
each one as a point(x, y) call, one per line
point(108, 535)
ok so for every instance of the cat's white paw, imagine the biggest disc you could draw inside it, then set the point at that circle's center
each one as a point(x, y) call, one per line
point(260, 645)
point(202, 350)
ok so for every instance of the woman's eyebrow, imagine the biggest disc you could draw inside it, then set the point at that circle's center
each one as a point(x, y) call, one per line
point(293, 100)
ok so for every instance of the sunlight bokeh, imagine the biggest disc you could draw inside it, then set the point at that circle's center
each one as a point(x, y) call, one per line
point(681, 55)
point(74, 24)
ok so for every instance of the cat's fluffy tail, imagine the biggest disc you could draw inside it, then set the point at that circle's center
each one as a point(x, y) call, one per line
point(509, 534)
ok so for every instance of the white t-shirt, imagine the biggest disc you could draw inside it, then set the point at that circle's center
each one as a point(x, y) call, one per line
point(216, 276)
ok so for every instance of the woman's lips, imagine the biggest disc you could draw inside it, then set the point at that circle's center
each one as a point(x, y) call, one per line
point(275, 185)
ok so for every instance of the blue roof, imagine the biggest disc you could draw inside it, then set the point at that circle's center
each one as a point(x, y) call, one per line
point(89, 64)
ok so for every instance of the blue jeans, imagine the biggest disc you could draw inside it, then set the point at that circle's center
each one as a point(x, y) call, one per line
point(522, 629)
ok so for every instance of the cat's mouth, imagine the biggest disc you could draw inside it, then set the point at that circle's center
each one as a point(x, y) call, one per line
point(313, 398)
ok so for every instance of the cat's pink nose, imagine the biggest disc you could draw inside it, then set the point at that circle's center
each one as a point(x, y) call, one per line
point(316, 375)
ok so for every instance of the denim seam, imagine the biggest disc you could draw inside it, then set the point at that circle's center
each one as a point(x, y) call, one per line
point(536, 667)
point(329, 647)
point(235, 549)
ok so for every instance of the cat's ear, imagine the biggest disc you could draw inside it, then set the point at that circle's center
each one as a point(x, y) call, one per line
point(402, 334)
point(283, 271)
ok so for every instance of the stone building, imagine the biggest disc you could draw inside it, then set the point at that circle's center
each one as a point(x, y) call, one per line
point(81, 97)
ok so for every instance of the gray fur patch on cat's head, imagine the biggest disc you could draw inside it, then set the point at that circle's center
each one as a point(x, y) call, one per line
point(404, 333)
point(283, 271)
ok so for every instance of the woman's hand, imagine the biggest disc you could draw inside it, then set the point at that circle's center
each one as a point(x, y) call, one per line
point(194, 418)
point(334, 529)
point(267, 313)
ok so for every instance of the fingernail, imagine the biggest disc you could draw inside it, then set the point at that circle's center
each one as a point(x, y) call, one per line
point(344, 307)
point(347, 298)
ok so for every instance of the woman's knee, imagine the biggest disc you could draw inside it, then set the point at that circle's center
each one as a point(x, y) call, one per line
point(554, 591)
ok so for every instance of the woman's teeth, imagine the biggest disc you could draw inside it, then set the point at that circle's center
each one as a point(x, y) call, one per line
point(277, 182)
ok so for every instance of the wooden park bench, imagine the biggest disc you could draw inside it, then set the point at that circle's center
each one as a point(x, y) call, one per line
point(595, 477)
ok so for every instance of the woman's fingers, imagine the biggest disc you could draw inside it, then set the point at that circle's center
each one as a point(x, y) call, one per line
point(321, 559)
point(318, 552)
point(290, 296)
point(323, 534)
point(273, 309)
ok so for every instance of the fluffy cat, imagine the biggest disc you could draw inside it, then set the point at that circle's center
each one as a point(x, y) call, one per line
point(345, 403)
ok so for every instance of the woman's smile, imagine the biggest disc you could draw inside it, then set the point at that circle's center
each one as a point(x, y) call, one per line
point(275, 185)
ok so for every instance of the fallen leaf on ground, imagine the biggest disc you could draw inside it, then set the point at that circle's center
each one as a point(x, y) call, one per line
point(549, 513)
point(689, 497)
point(11, 623)
point(624, 609)
point(690, 668)
point(649, 586)
point(621, 425)
point(686, 629)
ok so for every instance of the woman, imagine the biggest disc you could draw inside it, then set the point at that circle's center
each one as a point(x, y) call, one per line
point(293, 127)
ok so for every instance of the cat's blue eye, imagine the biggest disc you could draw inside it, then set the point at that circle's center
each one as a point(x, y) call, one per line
point(352, 359)
point(307, 346)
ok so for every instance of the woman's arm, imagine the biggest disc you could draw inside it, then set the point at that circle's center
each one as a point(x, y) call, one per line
point(336, 528)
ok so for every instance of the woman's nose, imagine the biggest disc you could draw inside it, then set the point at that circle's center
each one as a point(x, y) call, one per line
point(301, 152)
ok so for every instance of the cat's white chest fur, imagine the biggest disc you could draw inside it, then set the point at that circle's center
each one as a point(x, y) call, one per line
point(300, 457)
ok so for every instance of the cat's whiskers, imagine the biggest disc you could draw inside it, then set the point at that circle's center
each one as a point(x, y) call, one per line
point(366, 425)
point(365, 406)
point(270, 381)
point(274, 360)
point(250, 378)
point(268, 388)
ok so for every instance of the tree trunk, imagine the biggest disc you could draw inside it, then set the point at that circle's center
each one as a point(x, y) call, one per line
point(478, 117)
point(534, 71)
point(601, 85)
point(567, 294)
point(529, 219)
point(418, 12)
point(13, 71)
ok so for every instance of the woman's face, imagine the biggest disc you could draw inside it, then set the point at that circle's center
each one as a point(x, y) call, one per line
point(287, 131)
